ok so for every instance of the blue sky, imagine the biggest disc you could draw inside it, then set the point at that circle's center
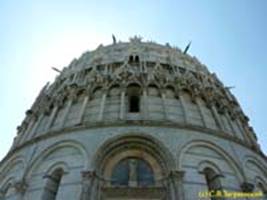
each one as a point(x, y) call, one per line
point(228, 36)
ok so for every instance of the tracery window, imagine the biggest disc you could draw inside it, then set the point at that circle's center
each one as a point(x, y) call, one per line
point(132, 172)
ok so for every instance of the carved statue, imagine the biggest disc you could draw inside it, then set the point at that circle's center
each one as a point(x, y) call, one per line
point(132, 172)
point(114, 39)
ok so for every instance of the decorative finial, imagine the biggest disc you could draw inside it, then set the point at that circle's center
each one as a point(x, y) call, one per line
point(114, 39)
point(187, 47)
point(136, 39)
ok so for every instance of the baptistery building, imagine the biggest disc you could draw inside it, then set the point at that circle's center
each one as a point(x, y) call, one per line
point(133, 120)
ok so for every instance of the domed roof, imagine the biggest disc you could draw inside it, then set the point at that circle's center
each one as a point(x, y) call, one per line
point(136, 83)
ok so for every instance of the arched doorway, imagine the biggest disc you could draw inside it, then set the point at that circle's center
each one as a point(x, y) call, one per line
point(134, 168)
point(133, 174)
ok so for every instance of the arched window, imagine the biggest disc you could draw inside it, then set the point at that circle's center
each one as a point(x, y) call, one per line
point(136, 59)
point(134, 104)
point(52, 185)
point(131, 59)
point(213, 181)
point(133, 92)
point(132, 172)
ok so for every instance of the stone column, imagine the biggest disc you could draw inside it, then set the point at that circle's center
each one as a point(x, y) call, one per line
point(177, 183)
point(51, 118)
point(230, 122)
point(32, 121)
point(88, 182)
point(202, 113)
point(65, 113)
point(35, 126)
point(249, 137)
point(80, 117)
point(102, 106)
point(164, 106)
point(217, 117)
point(145, 104)
point(184, 107)
point(72, 97)
point(122, 105)
point(242, 130)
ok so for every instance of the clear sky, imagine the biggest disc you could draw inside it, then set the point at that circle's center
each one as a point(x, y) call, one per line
point(228, 36)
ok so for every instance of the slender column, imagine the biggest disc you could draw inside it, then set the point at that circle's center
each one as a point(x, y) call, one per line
point(72, 97)
point(177, 183)
point(217, 117)
point(122, 106)
point(240, 126)
point(102, 106)
point(88, 181)
point(34, 128)
point(80, 117)
point(65, 113)
point(75, 77)
point(51, 118)
point(202, 113)
point(164, 106)
point(243, 132)
point(145, 105)
point(228, 118)
point(24, 134)
point(184, 107)
point(248, 135)
point(30, 126)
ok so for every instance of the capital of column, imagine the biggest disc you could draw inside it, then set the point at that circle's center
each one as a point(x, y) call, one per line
point(177, 174)
point(20, 186)
point(247, 187)
point(88, 174)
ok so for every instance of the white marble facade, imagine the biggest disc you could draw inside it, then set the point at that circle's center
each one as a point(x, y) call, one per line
point(134, 102)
